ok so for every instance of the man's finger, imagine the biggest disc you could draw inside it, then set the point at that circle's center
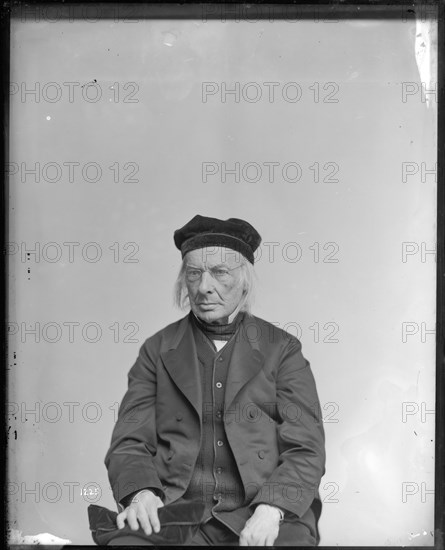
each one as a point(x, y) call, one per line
point(243, 539)
point(143, 520)
point(132, 520)
point(120, 520)
point(154, 520)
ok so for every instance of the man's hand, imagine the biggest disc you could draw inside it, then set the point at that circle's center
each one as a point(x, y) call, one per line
point(262, 528)
point(143, 509)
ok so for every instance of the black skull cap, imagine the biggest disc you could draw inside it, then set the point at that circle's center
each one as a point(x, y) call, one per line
point(201, 232)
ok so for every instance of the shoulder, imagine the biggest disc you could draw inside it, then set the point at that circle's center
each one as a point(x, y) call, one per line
point(269, 332)
point(283, 348)
point(164, 338)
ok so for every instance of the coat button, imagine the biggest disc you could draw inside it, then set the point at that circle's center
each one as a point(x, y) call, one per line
point(220, 359)
point(220, 443)
point(261, 454)
point(219, 385)
point(179, 417)
point(219, 470)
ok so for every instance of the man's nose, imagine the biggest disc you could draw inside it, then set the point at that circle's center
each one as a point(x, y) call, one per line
point(206, 283)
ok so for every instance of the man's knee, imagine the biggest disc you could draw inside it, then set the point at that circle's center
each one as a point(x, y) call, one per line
point(295, 534)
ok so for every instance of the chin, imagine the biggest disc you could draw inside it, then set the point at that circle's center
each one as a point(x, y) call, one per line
point(209, 316)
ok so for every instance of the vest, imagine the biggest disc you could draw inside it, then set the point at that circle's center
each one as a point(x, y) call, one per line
point(215, 479)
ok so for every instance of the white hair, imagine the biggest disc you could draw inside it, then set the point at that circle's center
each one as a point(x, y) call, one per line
point(248, 279)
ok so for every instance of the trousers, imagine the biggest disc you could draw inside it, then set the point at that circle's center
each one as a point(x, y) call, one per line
point(215, 533)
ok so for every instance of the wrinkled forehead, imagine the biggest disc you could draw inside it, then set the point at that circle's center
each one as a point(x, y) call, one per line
point(211, 256)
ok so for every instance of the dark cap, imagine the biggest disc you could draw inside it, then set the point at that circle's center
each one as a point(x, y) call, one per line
point(233, 233)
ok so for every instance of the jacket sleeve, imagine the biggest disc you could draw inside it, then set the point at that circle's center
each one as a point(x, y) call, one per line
point(293, 485)
point(129, 459)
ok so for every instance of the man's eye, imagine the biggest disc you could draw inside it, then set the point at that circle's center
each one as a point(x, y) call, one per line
point(220, 272)
point(193, 272)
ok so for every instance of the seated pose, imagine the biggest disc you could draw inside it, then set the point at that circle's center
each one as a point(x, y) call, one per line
point(221, 409)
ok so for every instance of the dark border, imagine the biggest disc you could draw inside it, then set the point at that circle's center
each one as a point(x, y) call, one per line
point(230, 9)
point(4, 156)
point(325, 9)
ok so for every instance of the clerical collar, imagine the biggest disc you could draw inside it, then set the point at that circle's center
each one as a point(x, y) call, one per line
point(219, 331)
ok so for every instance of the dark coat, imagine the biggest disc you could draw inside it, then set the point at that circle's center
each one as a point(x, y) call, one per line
point(272, 418)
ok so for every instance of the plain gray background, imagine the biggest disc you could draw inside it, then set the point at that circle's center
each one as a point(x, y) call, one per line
point(380, 464)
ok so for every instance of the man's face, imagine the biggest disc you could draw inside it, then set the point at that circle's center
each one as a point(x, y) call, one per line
point(214, 282)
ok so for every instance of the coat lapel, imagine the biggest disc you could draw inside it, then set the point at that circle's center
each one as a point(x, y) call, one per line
point(181, 362)
point(246, 361)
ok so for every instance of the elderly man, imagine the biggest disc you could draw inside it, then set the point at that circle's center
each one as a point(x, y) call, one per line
point(221, 409)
